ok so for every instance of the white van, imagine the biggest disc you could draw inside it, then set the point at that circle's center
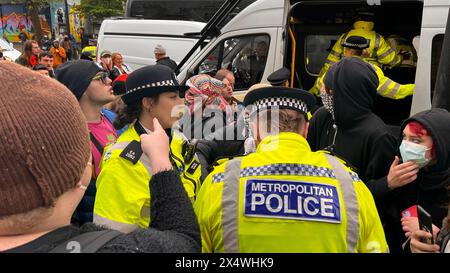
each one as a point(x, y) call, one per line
point(135, 39)
point(297, 34)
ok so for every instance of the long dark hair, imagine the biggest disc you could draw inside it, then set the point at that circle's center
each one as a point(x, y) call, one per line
point(28, 51)
point(129, 114)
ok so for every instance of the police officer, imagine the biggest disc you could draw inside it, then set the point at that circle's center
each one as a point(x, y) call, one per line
point(123, 195)
point(283, 197)
point(280, 77)
point(356, 46)
point(379, 52)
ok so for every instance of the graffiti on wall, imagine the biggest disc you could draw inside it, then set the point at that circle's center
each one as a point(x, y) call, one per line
point(76, 23)
point(13, 24)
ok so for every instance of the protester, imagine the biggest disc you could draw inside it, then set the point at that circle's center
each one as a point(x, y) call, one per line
point(106, 63)
point(46, 59)
point(65, 43)
point(29, 57)
point(113, 108)
point(119, 68)
point(229, 80)
point(39, 195)
point(347, 127)
point(207, 106)
point(59, 54)
point(74, 46)
point(92, 87)
point(123, 197)
point(162, 59)
point(45, 43)
point(23, 37)
point(421, 178)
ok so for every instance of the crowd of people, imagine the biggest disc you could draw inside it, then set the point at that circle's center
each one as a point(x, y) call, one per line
point(134, 161)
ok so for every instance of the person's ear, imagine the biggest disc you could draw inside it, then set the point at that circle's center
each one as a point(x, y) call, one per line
point(366, 53)
point(86, 176)
point(148, 103)
point(304, 132)
point(256, 132)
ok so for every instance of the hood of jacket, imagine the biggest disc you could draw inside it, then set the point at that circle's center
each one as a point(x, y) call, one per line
point(437, 123)
point(354, 84)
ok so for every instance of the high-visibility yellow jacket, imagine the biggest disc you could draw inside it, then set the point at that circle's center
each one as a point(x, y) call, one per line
point(285, 198)
point(380, 52)
point(386, 87)
point(123, 194)
point(92, 49)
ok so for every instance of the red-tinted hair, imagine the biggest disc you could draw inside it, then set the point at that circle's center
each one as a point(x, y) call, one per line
point(420, 130)
point(417, 128)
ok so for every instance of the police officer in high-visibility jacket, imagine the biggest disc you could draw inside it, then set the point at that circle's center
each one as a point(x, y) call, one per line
point(379, 52)
point(283, 197)
point(123, 194)
point(355, 46)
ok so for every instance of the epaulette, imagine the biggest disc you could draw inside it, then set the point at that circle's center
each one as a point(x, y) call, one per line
point(132, 152)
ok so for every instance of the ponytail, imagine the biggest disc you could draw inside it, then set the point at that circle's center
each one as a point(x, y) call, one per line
point(127, 115)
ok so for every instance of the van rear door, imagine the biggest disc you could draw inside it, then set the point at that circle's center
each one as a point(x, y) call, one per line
point(435, 15)
point(317, 25)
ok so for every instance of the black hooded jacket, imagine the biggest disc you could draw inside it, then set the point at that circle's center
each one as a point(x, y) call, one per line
point(362, 138)
point(429, 190)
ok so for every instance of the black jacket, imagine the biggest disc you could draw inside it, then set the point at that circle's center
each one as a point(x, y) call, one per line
point(363, 139)
point(173, 227)
point(429, 190)
point(226, 142)
point(167, 62)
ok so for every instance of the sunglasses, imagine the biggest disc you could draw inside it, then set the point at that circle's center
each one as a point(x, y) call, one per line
point(103, 76)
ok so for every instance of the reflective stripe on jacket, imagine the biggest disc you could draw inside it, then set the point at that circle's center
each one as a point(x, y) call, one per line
point(386, 87)
point(285, 198)
point(123, 194)
point(380, 52)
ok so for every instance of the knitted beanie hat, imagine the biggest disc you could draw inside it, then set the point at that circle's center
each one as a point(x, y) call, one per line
point(119, 86)
point(77, 75)
point(44, 140)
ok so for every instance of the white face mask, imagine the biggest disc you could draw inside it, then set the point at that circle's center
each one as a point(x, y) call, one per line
point(108, 60)
point(411, 151)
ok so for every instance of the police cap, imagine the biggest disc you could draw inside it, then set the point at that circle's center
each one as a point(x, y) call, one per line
point(364, 14)
point(356, 42)
point(278, 77)
point(282, 97)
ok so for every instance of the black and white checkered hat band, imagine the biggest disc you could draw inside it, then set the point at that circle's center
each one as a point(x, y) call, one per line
point(361, 46)
point(282, 102)
point(154, 84)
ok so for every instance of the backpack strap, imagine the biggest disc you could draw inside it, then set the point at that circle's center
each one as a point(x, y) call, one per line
point(89, 242)
point(96, 143)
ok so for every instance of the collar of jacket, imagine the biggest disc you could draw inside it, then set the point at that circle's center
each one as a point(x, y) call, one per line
point(365, 25)
point(288, 141)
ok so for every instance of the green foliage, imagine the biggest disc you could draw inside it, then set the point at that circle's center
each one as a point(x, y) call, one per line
point(33, 3)
point(100, 9)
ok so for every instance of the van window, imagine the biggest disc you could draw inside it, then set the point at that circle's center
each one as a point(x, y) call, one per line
point(436, 50)
point(317, 50)
point(245, 56)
